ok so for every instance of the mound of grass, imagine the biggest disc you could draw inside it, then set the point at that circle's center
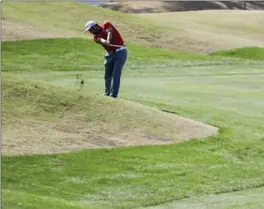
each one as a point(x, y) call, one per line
point(249, 53)
point(36, 114)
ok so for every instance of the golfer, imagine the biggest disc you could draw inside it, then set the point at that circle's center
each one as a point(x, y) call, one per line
point(115, 57)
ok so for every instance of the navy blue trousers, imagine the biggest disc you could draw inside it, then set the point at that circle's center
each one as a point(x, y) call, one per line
point(114, 63)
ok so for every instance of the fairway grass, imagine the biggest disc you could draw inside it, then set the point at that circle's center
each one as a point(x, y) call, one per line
point(199, 31)
point(223, 92)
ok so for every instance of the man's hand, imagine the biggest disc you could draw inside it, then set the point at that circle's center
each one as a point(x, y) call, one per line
point(98, 40)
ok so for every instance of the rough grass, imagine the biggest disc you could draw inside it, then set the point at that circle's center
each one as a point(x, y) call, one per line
point(201, 31)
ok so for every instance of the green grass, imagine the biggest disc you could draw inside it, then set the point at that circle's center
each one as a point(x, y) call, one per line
point(252, 198)
point(250, 53)
point(80, 54)
point(227, 95)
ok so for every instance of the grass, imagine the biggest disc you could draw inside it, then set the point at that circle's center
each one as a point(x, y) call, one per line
point(83, 118)
point(250, 53)
point(79, 54)
point(193, 31)
point(227, 95)
point(251, 198)
point(219, 89)
point(129, 178)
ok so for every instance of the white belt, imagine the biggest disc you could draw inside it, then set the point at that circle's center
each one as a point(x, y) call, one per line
point(121, 48)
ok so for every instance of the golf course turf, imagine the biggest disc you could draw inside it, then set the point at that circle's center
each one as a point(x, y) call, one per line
point(66, 146)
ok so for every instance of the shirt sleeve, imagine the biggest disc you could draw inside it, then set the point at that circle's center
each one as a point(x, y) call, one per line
point(107, 25)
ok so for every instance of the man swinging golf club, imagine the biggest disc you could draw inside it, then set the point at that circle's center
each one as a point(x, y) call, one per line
point(116, 53)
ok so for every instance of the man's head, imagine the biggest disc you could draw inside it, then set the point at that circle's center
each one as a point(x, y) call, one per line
point(92, 27)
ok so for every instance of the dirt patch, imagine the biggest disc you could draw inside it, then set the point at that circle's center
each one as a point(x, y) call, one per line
point(32, 137)
point(173, 6)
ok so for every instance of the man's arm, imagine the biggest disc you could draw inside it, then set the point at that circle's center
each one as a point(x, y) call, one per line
point(102, 41)
point(109, 34)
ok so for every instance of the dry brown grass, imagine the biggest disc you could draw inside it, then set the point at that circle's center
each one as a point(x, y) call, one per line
point(40, 137)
